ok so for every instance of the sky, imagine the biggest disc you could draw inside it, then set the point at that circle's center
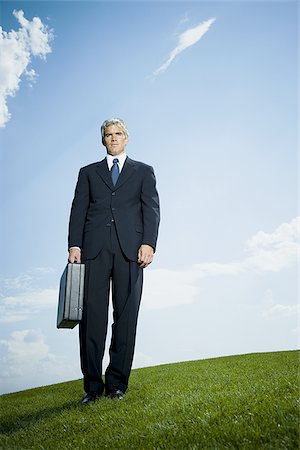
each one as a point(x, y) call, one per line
point(209, 94)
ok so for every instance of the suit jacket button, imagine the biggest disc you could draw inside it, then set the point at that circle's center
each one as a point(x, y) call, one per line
point(112, 220)
point(113, 209)
point(113, 193)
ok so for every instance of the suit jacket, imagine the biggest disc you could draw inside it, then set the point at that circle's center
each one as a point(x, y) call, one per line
point(132, 205)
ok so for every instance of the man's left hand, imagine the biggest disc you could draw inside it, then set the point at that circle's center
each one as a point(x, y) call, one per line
point(145, 255)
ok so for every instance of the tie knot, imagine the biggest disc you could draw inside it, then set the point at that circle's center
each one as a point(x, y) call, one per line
point(115, 161)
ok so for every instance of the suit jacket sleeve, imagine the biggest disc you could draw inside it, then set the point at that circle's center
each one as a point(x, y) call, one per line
point(79, 209)
point(150, 209)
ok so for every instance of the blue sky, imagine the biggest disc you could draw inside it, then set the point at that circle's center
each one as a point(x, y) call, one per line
point(219, 125)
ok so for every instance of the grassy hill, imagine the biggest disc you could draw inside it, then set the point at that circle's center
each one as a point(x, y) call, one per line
point(237, 402)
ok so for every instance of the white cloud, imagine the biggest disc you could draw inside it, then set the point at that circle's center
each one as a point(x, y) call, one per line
point(35, 34)
point(270, 252)
point(26, 361)
point(273, 309)
point(27, 280)
point(16, 48)
point(215, 269)
point(24, 305)
point(186, 39)
point(22, 346)
point(167, 288)
point(274, 251)
point(282, 310)
point(24, 295)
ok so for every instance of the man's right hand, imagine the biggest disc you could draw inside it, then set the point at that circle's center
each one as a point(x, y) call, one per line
point(74, 255)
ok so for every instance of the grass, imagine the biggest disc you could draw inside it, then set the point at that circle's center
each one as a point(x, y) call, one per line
point(237, 402)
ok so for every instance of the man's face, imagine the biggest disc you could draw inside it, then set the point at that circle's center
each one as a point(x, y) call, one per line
point(115, 140)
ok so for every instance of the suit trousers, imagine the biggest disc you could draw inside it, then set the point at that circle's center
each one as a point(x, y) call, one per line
point(109, 270)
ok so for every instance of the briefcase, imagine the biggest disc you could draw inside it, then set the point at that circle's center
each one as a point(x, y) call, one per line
point(70, 302)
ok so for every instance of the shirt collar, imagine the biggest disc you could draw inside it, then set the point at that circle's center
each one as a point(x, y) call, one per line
point(120, 157)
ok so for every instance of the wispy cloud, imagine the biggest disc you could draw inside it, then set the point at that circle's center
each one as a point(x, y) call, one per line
point(186, 39)
point(164, 288)
point(266, 252)
point(28, 294)
point(22, 306)
point(26, 281)
point(275, 310)
point(16, 49)
point(184, 19)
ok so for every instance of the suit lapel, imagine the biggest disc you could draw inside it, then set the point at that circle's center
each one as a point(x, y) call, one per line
point(126, 172)
point(102, 170)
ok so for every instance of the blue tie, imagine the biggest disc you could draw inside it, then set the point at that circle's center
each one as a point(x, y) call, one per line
point(115, 171)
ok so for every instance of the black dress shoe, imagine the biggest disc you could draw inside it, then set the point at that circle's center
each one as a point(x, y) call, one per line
point(90, 397)
point(116, 393)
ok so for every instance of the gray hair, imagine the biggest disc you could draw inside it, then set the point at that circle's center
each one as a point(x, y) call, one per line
point(113, 121)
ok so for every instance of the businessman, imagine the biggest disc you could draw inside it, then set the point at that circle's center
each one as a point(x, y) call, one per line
point(113, 230)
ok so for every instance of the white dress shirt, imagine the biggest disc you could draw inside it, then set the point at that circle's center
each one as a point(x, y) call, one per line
point(121, 158)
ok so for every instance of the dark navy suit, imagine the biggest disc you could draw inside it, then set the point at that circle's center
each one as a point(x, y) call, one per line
point(109, 223)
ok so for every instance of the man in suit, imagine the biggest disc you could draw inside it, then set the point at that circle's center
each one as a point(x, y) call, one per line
point(113, 229)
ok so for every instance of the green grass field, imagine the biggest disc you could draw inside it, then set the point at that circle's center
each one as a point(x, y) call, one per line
point(237, 402)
